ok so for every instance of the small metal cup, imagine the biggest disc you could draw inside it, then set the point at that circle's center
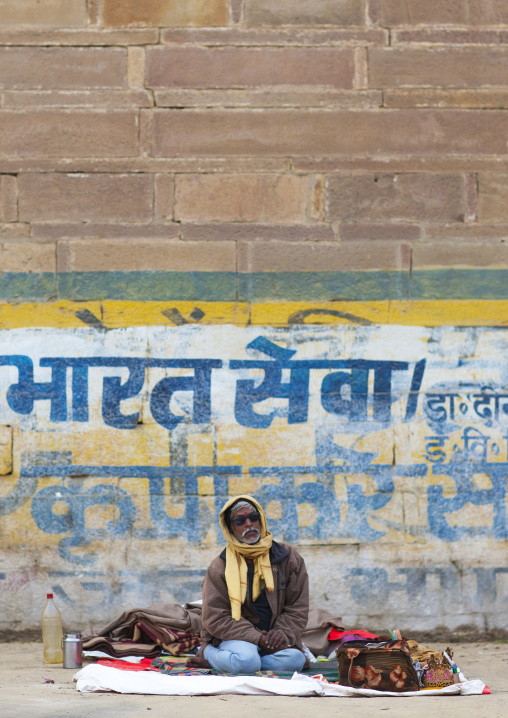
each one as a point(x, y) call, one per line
point(72, 650)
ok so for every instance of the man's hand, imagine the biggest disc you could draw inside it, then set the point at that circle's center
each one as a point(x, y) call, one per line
point(273, 641)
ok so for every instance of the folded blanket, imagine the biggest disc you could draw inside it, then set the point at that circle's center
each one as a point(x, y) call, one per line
point(118, 648)
point(173, 641)
point(147, 631)
point(177, 629)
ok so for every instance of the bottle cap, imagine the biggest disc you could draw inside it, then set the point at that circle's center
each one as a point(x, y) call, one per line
point(49, 595)
point(455, 669)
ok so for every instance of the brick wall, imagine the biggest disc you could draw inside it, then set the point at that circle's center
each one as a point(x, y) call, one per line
point(369, 134)
point(189, 187)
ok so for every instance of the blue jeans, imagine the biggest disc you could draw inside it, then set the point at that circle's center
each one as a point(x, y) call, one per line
point(245, 658)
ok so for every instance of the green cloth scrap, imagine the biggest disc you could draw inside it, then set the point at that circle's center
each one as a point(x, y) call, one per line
point(173, 666)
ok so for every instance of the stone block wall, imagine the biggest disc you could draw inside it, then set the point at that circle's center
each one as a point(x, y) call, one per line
point(369, 133)
point(254, 181)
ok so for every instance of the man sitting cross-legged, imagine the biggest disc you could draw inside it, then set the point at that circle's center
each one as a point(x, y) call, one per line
point(255, 598)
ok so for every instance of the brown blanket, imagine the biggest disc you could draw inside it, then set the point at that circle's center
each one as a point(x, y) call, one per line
point(146, 631)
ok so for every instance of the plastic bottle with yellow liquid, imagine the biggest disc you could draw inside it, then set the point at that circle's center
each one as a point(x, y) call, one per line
point(52, 632)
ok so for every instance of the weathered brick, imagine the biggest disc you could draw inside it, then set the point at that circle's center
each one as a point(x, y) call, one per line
point(305, 12)
point(114, 99)
point(399, 164)
point(14, 231)
point(361, 231)
point(156, 255)
point(469, 232)
point(248, 67)
point(8, 198)
point(442, 12)
point(164, 187)
point(57, 133)
point(317, 198)
point(493, 197)
point(451, 36)
point(396, 196)
point(320, 256)
point(27, 257)
point(439, 67)
point(78, 38)
point(136, 67)
point(145, 132)
point(330, 164)
point(245, 198)
point(94, 11)
point(127, 164)
point(164, 13)
point(75, 68)
point(253, 231)
point(321, 132)
point(492, 98)
point(236, 10)
point(255, 37)
point(361, 77)
point(93, 230)
point(373, 11)
point(267, 97)
point(43, 13)
point(471, 198)
point(85, 197)
point(434, 254)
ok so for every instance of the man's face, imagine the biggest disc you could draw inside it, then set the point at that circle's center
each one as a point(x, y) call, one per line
point(250, 529)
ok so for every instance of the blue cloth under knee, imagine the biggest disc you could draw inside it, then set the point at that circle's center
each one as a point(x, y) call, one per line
point(239, 657)
point(287, 660)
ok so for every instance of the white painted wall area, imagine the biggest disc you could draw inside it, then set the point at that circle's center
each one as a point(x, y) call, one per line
point(381, 452)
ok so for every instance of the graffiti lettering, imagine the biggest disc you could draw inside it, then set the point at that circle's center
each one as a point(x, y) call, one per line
point(372, 586)
point(440, 508)
point(475, 447)
point(22, 395)
point(487, 404)
point(344, 393)
point(335, 518)
point(73, 521)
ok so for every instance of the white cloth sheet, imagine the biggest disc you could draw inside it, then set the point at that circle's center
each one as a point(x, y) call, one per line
point(94, 678)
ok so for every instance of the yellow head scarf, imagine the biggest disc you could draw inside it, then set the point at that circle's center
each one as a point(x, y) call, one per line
point(236, 565)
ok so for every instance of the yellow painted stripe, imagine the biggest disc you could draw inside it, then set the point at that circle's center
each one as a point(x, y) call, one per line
point(118, 314)
point(453, 312)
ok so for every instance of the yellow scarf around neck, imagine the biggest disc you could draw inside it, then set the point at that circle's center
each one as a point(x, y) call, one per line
point(236, 565)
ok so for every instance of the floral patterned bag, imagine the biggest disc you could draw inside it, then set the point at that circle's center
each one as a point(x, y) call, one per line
point(382, 666)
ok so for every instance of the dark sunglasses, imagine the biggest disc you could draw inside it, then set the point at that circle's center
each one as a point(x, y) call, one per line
point(242, 519)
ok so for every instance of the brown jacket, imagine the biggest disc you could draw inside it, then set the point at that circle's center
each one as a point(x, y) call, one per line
point(289, 601)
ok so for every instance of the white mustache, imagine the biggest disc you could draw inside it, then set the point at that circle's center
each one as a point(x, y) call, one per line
point(250, 540)
point(251, 528)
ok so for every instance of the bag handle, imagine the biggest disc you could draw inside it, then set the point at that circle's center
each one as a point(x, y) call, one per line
point(349, 672)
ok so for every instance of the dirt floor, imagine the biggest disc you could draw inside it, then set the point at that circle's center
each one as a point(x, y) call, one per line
point(23, 692)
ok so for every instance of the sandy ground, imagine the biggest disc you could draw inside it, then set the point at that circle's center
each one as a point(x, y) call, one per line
point(23, 692)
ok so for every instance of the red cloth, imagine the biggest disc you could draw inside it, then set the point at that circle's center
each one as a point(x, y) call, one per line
point(144, 665)
point(335, 635)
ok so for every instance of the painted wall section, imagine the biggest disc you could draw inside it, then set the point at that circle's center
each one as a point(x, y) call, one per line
point(381, 451)
point(254, 245)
